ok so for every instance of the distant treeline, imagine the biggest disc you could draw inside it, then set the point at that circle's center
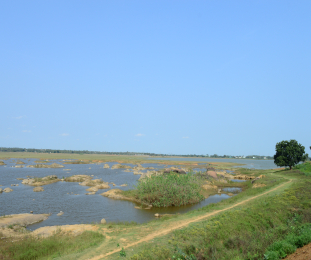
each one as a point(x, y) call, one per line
point(33, 150)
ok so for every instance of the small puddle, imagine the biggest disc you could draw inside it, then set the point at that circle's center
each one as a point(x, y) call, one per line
point(236, 180)
point(232, 189)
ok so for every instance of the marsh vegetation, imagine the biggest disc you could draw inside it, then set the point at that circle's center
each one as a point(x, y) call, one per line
point(169, 190)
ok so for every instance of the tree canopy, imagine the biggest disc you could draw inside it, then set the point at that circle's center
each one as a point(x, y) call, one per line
point(289, 153)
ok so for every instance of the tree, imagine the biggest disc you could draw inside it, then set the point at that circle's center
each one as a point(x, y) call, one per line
point(289, 153)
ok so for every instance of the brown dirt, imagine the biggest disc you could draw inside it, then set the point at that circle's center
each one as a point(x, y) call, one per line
point(303, 253)
point(22, 219)
point(116, 194)
point(71, 229)
point(183, 224)
point(212, 173)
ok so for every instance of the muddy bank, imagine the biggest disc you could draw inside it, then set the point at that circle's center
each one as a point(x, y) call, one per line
point(117, 194)
point(77, 162)
point(73, 230)
point(24, 220)
point(53, 165)
point(41, 181)
point(14, 226)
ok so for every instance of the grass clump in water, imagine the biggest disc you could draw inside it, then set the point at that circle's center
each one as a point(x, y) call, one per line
point(170, 190)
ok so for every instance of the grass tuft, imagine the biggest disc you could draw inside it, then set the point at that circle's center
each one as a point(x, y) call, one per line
point(170, 190)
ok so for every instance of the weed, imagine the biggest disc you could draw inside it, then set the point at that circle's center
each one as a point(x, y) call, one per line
point(122, 252)
point(170, 190)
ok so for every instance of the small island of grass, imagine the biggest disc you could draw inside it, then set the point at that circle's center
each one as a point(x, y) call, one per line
point(168, 190)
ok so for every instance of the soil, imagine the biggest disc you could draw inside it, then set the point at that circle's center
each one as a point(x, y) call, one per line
point(22, 219)
point(71, 229)
point(117, 194)
point(303, 253)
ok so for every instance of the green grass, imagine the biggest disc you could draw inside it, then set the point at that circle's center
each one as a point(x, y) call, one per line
point(247, 232)
point(57, 245)
point(121, 224)
point(169, 190)
point(299, 236)
point(305, 168)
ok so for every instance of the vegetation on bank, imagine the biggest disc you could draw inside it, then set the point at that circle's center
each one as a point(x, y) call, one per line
point(298, 237)
point(168, 190)
point(30, 248)
point(305, 168)
point(267, 228)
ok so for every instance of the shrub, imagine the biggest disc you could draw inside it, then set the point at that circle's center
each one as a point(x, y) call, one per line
point(301, 236)
point(170, 190)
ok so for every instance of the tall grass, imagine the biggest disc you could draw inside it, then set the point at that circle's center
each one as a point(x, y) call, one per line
point(170, 190)
point(31, 248)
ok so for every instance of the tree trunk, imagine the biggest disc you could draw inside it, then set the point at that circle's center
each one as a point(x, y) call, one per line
point(290, 167)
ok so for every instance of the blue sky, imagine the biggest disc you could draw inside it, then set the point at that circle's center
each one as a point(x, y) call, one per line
point(182, 77)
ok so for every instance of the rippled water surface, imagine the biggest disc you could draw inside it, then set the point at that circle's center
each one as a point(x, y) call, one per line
point(70, 197)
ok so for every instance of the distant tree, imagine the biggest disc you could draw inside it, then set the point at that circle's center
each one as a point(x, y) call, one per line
point(289, 153)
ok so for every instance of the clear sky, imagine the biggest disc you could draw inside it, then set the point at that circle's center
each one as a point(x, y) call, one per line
point(182, 77)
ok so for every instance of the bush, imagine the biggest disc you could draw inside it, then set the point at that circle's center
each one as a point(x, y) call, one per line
point(170, 190)
point(301, 236)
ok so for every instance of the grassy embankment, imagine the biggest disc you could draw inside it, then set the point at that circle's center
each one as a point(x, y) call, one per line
point(168, 190)
point(163, 246)
point(248, 231)
point(268, 228)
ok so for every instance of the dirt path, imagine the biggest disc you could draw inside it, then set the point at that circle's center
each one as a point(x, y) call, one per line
point(303, 253)
point(186, 223)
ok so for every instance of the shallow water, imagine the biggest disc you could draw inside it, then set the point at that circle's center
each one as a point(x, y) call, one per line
point(247, 163)
point(70, 197)
point(232, 189)
point(236, 180)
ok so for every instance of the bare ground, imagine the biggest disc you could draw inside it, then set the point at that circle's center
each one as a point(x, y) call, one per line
point(303, 253)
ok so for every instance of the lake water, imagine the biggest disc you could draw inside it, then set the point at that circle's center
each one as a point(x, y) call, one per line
point(247, 163)
point(70, 197)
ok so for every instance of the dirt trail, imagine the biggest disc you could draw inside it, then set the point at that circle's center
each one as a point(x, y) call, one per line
point(186, 223)
point(303, 253)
